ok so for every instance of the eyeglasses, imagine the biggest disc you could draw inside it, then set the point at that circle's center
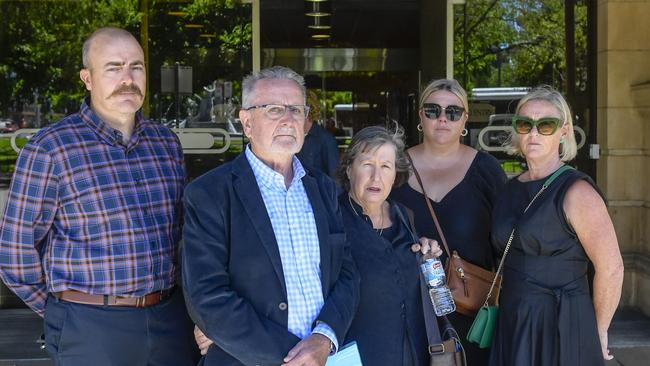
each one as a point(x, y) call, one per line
point(545, 126)
point(277, 111)
point(433, 111)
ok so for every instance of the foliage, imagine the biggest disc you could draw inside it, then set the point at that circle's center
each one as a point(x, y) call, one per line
point(42, 44)
point(525, 39)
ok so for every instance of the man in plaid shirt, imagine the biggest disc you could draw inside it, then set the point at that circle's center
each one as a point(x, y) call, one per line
point(90, 231)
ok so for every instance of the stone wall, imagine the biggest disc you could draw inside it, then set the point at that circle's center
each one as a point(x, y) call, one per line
point(624, 135)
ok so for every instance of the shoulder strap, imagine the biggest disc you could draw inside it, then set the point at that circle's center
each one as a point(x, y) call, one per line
point(546, 184)
point(431, 211)
point(431, 323)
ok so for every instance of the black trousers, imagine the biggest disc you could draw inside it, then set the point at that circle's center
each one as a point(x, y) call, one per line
point(82, 335)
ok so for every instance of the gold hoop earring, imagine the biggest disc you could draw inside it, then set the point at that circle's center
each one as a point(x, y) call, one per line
point(419, 127)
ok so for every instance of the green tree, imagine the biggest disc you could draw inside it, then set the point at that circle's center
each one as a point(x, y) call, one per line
point(524, 39)
point(41, 44)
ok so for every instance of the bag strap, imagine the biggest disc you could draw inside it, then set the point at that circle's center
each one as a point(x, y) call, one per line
point(431, 211)
point(547, 183)
point(438, 327)
point(434, 335)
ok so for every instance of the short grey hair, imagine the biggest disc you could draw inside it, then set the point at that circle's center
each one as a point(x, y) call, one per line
point(568, 149)
point(275, 72)
point(370, 139)
point(105, 31)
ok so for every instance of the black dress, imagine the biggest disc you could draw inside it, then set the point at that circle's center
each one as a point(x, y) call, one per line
point(546, 314)
point(465, 215)
point(389, 323)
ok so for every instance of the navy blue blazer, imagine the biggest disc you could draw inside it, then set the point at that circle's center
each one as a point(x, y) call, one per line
point(232, 272)
point(391, 302)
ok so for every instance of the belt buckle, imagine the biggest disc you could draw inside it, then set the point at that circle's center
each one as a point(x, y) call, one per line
point(436, 349)
point(140, 302)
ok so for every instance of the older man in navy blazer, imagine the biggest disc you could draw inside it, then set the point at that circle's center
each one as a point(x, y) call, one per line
point(267, 271)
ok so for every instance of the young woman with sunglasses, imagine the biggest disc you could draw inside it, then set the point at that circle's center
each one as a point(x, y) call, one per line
point(546, 313)
point(460, 182)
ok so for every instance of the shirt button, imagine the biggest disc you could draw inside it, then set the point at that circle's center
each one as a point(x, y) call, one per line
point(397, 271)
point(282, 306)
point(403, 306)
point(388, 250)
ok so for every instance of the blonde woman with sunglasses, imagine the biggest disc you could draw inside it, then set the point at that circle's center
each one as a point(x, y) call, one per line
point(460, 183)
point(547, 315)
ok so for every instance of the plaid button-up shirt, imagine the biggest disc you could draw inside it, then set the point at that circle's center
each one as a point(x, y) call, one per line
point(88, 212)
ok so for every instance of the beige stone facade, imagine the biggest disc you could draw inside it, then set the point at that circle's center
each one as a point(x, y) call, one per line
point(624, 135)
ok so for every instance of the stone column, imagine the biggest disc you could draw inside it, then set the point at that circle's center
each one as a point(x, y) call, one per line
point(624, 135)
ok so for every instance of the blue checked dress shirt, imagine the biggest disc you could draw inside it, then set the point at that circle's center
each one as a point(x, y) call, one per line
point(90, 213)
point(295, 232)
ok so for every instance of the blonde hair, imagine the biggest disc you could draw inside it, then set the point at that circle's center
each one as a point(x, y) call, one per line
point(449, 85)
point(568, 149)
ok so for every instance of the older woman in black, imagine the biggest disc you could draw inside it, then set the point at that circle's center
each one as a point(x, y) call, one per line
point(389, 325)
point(547, 315)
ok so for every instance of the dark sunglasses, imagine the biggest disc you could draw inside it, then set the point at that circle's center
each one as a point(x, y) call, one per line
point(545, 126)
point(433, 110)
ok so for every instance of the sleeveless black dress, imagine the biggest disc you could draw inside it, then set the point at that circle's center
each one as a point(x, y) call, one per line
point(465, 215)
point(546, 314)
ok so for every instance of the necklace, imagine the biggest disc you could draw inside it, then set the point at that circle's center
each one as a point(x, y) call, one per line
point(381, 220)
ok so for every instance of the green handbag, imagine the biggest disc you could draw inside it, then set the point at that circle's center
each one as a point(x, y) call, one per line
point(482, 330)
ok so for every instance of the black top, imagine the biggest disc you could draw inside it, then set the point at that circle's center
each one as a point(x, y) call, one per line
point(320, 150)
point(465, 217)
point(389, 324)
point(544, 302)
point(464, 213)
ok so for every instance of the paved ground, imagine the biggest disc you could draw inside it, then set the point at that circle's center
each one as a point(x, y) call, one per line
point(20, 329)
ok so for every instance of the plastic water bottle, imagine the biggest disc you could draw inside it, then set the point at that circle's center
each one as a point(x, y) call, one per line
point(434, 273)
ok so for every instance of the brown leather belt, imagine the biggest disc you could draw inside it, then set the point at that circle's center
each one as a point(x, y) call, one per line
point(109, 300)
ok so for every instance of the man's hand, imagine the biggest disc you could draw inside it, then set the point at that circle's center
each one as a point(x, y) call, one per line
point(202, 341)
point(311, 351)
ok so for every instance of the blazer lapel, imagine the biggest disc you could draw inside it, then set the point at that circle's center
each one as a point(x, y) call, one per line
point(246, 188)
point(322, 226)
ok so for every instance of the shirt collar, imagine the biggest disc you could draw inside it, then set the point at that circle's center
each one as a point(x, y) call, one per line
point(102, 129)
point(268, 177)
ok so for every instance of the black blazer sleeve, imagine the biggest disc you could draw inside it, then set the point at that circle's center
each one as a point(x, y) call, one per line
point(225, 317)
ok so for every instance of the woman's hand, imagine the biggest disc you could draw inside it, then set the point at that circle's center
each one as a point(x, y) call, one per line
point(425, 245)
point(604, 345)
point(202, 341)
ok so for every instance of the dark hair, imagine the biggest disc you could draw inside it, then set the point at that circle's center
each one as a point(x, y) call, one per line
point(369, 139)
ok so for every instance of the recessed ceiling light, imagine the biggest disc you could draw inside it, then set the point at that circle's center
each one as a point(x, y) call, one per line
point(320, 36)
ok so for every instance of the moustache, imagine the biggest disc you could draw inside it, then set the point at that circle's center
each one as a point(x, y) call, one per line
point(285, 132)
point(126, 89)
